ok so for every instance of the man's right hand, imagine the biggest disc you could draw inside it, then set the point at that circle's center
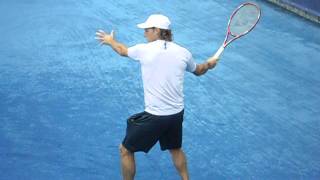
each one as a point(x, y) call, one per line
point(212, 62)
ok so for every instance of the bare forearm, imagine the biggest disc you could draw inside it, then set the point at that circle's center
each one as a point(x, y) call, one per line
point(118, 47)
point(201, 69)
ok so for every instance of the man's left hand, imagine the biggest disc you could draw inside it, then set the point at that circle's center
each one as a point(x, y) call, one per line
point(105, 38)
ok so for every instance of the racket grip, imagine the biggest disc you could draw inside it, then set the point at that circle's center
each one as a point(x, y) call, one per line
point(219, 52)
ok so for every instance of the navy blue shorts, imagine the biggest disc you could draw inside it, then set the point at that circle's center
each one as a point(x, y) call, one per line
point(144, 130)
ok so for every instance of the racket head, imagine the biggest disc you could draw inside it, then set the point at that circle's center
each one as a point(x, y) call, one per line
point(243, 19)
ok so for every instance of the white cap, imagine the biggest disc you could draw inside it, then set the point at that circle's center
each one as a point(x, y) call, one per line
point(156, 20)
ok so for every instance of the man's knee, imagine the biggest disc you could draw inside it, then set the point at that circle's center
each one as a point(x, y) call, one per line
point(175, 151)
point(124, 151)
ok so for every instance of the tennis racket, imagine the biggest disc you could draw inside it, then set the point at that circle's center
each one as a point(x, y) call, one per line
point(243, 19)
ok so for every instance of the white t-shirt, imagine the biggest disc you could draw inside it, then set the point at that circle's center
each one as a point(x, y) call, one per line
point(163, 67)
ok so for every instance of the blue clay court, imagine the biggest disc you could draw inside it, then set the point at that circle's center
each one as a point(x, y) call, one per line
point(64, 99)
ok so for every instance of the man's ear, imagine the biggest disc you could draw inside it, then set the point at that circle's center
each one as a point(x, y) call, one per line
point(157, 30)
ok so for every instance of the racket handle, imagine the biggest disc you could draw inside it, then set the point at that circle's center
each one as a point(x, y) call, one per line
point(219, 52)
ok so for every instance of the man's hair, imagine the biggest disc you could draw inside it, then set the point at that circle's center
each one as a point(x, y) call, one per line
point(165, 34)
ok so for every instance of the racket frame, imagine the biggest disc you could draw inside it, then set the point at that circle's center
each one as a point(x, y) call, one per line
point(225, 43)
point(227, 39)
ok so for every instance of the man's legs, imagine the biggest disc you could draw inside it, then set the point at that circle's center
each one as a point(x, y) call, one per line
point(127, 163)
point(180, 162)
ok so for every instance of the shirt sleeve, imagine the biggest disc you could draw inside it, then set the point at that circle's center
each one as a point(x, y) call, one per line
point(191, 64)
point(136, 52)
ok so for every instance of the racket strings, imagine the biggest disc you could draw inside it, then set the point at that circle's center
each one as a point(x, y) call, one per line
point(244, 20)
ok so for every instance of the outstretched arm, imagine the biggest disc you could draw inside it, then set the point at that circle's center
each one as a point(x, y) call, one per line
point(109, 39)
point(204, 67)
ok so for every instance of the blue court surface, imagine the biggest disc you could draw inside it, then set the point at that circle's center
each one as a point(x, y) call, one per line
point(64, 99)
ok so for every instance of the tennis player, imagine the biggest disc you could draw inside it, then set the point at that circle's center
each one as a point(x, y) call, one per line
point(163, 66)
